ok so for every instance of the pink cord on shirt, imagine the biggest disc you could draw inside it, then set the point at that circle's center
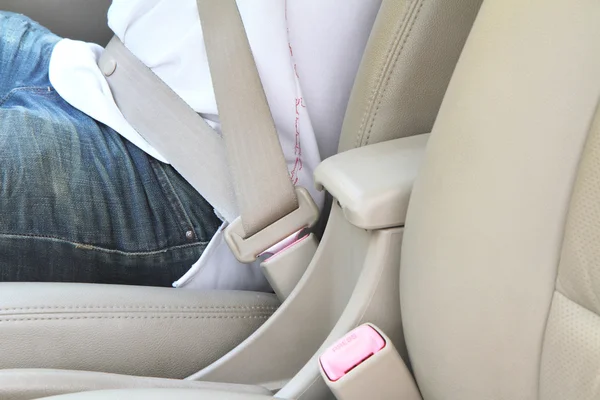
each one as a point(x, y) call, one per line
point(299, 103)
point(297, 146)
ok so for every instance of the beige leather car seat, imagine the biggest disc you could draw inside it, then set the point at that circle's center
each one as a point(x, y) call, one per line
point(408, 62)
point(500, 276)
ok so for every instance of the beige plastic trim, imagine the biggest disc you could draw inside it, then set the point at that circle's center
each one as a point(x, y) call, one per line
point(374, 299)
point(373, 183)
point(296, 330)
point(285, 269)
point(352, 279)
point(382, 376)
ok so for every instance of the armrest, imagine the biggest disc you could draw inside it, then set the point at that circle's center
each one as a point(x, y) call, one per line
point(373, 183)
point(161, 394)
point(160, 332)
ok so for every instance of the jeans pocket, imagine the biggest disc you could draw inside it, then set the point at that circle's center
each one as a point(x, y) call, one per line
point(25, 93)
point(193, 213)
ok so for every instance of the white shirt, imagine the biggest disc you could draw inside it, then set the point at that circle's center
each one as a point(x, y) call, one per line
point(311, 46)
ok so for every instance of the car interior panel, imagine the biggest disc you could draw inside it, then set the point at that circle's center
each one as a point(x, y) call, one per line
point(459, 258)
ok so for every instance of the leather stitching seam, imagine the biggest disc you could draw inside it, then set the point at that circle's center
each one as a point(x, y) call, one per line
point(143, 317)
point(165, 308)
point(389, 75)
point(576, 303)
point(377, 86)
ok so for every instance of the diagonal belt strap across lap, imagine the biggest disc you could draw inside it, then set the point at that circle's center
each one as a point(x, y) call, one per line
point(244, 172)
point(169, 125)
point(264, 192)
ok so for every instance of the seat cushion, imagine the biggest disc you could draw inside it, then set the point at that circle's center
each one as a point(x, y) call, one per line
point(27, 384)
point(161, 394)
point(159, 332)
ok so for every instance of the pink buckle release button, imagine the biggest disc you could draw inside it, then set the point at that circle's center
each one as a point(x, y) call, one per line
point(350, 351)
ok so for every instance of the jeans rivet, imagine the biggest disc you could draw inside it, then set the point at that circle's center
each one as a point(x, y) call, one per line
point(189, 235)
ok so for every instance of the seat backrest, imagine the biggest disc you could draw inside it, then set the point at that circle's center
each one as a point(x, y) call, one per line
point(409, 59)
point(500, 276)
point(74, 19)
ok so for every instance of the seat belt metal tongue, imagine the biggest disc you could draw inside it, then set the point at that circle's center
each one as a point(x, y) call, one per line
point(270, 208)
point(247, 249)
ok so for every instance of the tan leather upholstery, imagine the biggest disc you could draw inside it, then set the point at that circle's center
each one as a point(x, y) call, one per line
point(487, 217)
point(579, 275)
point(408, 62)
point(162, 394)
point(27, 384)
point(571, 352)
point(74, 19)
point(129, 330)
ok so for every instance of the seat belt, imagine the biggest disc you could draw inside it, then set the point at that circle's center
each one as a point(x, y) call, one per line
point(265, 192)
point(169, 125)
point(245, 169)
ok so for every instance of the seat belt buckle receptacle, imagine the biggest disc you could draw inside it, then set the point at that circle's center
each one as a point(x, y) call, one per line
point(247, 250)
point(364, 364)
point(285, 268)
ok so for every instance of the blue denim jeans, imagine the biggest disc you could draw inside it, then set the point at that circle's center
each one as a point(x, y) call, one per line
point(78, 202)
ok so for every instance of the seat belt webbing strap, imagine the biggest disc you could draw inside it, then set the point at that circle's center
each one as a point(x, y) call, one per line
point(168, 124)
point(263, 188)
point(244, 172)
